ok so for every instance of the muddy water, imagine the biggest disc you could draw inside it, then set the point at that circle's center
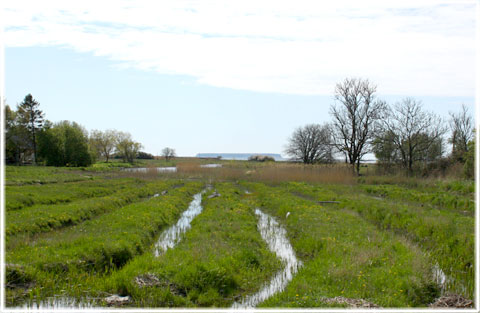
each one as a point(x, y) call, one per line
point(170, 237)
point(276, 238)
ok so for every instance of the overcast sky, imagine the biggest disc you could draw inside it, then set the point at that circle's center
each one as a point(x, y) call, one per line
point(231, 76)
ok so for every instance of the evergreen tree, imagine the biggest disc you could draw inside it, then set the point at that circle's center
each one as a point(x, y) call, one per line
point(31, 118)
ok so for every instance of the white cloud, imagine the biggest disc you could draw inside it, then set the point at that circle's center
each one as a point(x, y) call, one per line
point(299, 47)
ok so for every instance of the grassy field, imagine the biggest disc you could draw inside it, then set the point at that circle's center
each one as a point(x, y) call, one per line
point(78, 236)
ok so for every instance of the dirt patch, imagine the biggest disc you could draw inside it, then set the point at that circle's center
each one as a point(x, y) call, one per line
point(16, 277)
point(452, 301)
point(214, 195)
point(151, 280)
point(147, 280)
point(354, 303)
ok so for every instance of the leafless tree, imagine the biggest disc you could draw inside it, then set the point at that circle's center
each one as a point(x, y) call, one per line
point(354, 115)
point(461, 125)
point(417, 133)
point(168, 153)
point(311, 143)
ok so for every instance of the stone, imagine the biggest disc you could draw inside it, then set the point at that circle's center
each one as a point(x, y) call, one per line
point(116, 300)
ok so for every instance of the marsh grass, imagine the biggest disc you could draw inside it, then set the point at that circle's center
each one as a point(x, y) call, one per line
point(380, 249)
point(44, 218)
point(436, 197)
point(220, 259)
point(28, 195)
point(98, 246)
point(344, 255)
point(269, 172)
point(26, 175)
point(445, 235)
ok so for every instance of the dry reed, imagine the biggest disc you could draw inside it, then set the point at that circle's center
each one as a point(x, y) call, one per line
point(270, 172)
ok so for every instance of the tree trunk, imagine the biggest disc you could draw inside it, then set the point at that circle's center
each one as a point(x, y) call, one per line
point(34, 148)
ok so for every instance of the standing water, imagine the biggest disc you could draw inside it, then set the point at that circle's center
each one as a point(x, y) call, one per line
point(277, 241)
point(446, 282)
point(170, 237)
point(60, 303)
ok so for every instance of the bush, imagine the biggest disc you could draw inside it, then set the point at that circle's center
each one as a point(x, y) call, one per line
point(65, 144)
point(261, 158)
point(144, 156)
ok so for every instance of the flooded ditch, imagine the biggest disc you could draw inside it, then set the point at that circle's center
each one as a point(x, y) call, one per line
point(167, 169)
point(447, 283)
point(170, 237)
point(276, 238)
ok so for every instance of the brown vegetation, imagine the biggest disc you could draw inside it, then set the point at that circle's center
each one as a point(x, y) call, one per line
point(277, 172)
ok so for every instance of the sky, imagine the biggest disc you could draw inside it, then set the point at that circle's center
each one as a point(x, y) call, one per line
point(231, 76)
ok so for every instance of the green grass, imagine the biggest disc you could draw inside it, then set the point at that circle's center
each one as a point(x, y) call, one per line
point(107, 241)
point(88, 233)
point(24, 175)
point(221, 258)
point(96, 247)
point(444, 234)
point(438, 198)
point(19, 197)
point(344, 255)
point(44, 218)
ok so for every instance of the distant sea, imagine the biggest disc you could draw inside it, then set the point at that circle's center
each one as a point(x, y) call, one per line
point(238, 156)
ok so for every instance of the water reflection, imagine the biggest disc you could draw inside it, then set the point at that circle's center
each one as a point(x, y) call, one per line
point(60, 303)
point(276, 238)
point(170, 237)
point(446, 282)
point(169, 169)
point(213, 165)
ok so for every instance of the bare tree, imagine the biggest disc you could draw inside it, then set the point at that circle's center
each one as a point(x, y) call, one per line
point(461, 125)
point(417, 134)
point(104, 142)
point(311, 143)
point(354, 117)
point(168, 153)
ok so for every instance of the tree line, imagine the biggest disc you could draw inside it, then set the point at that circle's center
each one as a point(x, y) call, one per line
point(401, 135)
point(30, 138)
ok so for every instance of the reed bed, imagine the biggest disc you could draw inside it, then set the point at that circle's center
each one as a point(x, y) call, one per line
point(270, 172)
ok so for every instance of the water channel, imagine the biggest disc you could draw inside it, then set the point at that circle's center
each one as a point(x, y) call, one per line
point(167, 169)
point(276, 238)
point(170, 237)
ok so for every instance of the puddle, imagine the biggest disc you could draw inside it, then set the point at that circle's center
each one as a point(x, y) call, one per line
point(276, 238)
point(439, 276)
point(60, 303)
point(446, 282)
point(170, 237)
point(170, 169)
point(211, 165)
